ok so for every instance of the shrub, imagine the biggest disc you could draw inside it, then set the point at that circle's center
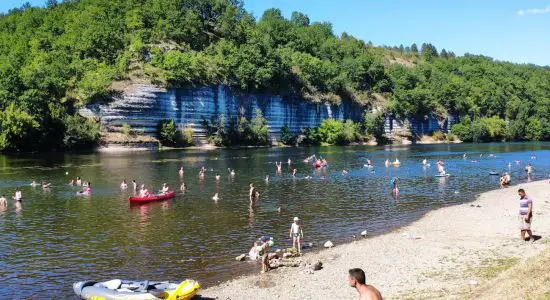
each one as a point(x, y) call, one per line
point(80, 132)
point(168, 132)
point(187, 135)
point(348, 134)
point(286, 137)
point(438, 136)
point(330, 130)
point(259, 130)
point(215, 130)
point(126, 129)
point(17, 129)
point(373, 125)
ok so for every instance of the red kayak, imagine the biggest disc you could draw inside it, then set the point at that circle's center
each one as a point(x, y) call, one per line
point(153, 197)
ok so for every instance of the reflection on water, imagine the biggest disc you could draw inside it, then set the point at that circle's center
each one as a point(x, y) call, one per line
point(54, 238)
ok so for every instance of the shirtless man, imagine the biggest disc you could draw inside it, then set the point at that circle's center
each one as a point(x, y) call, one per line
point(3, 201)
point(356, 279)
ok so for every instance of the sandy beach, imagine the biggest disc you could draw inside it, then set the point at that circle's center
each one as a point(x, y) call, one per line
point(449, 253)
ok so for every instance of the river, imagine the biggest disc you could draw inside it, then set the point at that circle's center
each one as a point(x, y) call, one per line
point(55, 238)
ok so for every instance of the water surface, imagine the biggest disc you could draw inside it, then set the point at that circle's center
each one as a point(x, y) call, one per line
point(55, 238)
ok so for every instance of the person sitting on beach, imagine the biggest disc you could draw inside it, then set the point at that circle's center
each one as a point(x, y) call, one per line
point(296, 234)
point(505, 179)
point(357, 280)
point(143, 192)
point(123, 185)
point(165, 188)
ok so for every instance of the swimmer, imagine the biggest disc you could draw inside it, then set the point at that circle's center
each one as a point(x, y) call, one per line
point(134, 183)
point(344, 172)
point(78, 180)
point(279, 166)
point(87, 190)
point(215, 197)
point(201, 174)
point(369, 162)
point(165, 188)
point(294, 172)
point(231, 172)
point(18, 195)
point(251, 190)
point(123, 185)
point(307, 177)
point(387, 163)
point(425, 161)
point(182, 187)
point(266, 178)
point(217, 177)
point(71, 182)
point(180, 172)
point(464, 156)
point(46, 185)
point(395, 185)
point(3, 201)
point(289, 162)
point(34, 183)
point(509, 165)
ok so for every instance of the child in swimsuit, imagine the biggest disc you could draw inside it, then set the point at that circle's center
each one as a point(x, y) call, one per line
point(296, 233)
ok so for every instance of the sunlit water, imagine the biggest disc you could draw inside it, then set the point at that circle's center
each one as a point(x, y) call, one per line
point(55, 238)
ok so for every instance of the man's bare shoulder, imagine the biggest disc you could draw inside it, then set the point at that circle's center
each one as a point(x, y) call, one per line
point(370, 293)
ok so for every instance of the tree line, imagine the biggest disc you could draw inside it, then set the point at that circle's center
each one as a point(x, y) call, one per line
point(58, 58)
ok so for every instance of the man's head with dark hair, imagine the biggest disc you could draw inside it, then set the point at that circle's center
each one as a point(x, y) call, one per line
point(521, 193)
point(356, 276)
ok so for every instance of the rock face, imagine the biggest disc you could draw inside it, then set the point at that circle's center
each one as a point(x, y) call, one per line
point(142, 106)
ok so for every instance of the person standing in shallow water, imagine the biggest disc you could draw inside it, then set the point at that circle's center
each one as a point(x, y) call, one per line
point(356, 279)
point(525, 214)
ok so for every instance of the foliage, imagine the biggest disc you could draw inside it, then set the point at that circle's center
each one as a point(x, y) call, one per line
point(330, 131)
point(259, 131)
point(56, 59)
point(373, 124)
point(438, 136)
point(168, 132)
point(286, 136)
point(126, 129)
point(187, 136)
point(80, 133)
point(17, 129)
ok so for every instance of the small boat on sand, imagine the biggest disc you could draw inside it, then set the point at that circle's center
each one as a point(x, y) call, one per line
point(136, 290)
point(153, 197)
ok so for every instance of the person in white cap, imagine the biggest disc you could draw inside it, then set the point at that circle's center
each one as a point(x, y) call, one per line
point(296, 233)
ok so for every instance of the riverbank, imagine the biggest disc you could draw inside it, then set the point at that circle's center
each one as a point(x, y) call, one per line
point(449, 253)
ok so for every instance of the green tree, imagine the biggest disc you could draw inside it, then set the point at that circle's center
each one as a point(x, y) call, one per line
point(18, 130)
point(81, 133)
point(168, 132)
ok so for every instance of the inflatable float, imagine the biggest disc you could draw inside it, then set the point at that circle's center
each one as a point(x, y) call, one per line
point(136, 290)
point(442, 175)
point(152, 197)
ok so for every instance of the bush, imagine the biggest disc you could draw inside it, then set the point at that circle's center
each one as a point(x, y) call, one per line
point(330, 131)
point(259, 130)
point(348, 134)
point(438, 136)
point(168, 132)
point(286, 136)
point(18, 129)
point(80, 132)
point(215, 130)
point(126, 129)
point(187, 136)
point(373, 125)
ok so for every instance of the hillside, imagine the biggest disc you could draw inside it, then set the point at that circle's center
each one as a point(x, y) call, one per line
point(63, 56)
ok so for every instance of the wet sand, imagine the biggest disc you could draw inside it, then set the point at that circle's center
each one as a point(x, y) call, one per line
point(448, 253)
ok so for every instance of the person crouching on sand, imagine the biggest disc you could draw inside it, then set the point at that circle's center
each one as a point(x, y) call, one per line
point(356, 279)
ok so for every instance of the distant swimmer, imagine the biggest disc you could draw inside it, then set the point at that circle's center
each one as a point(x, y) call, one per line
point(394, 182)
point(18, 195)
point(424, 161)
point(3, 201)
point(266, 178)
point(396, 162)
point(307, 177)
point(46, 185)
point(231, 172)
point(344, 172)
point(134, 184)
point(289, 162)
point(216, 197)
point(387, 163)
point(201, 174)
point(34, 183)
point(217, 177)
point(252, 192)
point(509, 165)
point(464, 156)
point(72, 182)
point(123, 185)
point(87, 190)
point(279, 166)
point(294, 172)
point(164, 188)
point(180, 172)
point(533, 157)
point(78, 180)
point(182, 187)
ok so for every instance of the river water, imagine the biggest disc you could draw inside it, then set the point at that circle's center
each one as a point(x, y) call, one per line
point(55, 238)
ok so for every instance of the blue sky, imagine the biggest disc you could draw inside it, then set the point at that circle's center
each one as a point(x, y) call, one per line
point(511, 30)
